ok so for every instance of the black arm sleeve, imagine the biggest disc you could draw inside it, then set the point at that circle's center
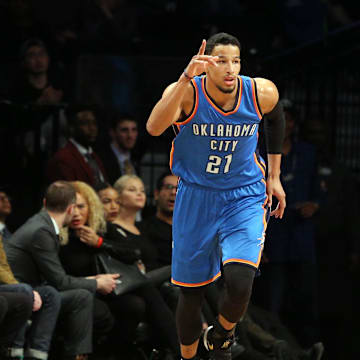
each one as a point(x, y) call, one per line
point(274, 129)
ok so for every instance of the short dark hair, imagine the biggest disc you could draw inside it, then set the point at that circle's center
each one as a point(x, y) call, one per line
point(100, 186)
point(221, 39)
point(26, 45)
point(160, 180)
point(59, 195)
point(74, 109)
point(117, 118)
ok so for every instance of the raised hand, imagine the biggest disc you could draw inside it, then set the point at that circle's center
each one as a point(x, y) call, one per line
point(88, 236)
point(200, 62)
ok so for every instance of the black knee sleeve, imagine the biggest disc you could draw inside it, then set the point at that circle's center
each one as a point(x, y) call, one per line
point(238, 284)
point(188, 314)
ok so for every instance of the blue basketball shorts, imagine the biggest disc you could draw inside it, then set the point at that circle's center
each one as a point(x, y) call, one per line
point(213, 226)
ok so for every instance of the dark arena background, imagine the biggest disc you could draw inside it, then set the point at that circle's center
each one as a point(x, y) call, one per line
point(117, 56)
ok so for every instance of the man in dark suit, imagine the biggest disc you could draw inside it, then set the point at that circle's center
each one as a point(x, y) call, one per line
point(33, 256)
point(77, 161)
point(118, 156)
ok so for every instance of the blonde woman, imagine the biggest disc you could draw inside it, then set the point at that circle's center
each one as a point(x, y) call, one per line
point(132, 198)
point(86, 235)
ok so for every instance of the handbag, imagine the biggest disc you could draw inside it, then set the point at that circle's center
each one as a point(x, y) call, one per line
point(130, 276)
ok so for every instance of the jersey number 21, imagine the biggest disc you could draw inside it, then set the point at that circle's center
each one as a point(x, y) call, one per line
point(214, 164)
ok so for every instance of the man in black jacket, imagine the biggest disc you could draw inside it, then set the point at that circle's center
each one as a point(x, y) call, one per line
point(33, 256)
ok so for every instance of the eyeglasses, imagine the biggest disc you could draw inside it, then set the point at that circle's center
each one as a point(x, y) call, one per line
point(169, 187)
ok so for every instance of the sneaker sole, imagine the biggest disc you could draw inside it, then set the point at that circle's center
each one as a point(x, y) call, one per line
point(205, 342)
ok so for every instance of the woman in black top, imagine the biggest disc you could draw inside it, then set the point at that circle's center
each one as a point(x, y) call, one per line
point(88, 234)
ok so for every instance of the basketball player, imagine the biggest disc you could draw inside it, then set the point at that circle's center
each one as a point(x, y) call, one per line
point(222, 199)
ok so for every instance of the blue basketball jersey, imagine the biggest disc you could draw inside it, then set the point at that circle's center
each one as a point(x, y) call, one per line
point(216, 148)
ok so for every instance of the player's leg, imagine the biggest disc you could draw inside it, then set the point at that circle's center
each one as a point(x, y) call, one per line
point(233, 304)
point(236, 293)
point(241, 239)
point(195, 260)
point(188, 320)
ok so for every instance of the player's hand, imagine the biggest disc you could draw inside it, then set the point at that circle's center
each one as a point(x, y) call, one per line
point(274, 188)
point(200, 62)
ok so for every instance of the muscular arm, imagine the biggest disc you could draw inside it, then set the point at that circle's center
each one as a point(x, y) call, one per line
point(178, 97)
point(169, 107)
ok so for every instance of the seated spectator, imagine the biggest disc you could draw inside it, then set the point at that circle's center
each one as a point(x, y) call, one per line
point(33, 256)
point(85, 236)
point(5, 211)
point(77, 161)
point(110, 200)
point(37, 84)
point(131, 197)
point(42, 87)
point(15, 311)
point(118, 157)
point(34, 342)
point(159, 226)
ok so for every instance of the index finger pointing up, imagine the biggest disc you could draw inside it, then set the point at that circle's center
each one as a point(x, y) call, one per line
point(202, 48)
